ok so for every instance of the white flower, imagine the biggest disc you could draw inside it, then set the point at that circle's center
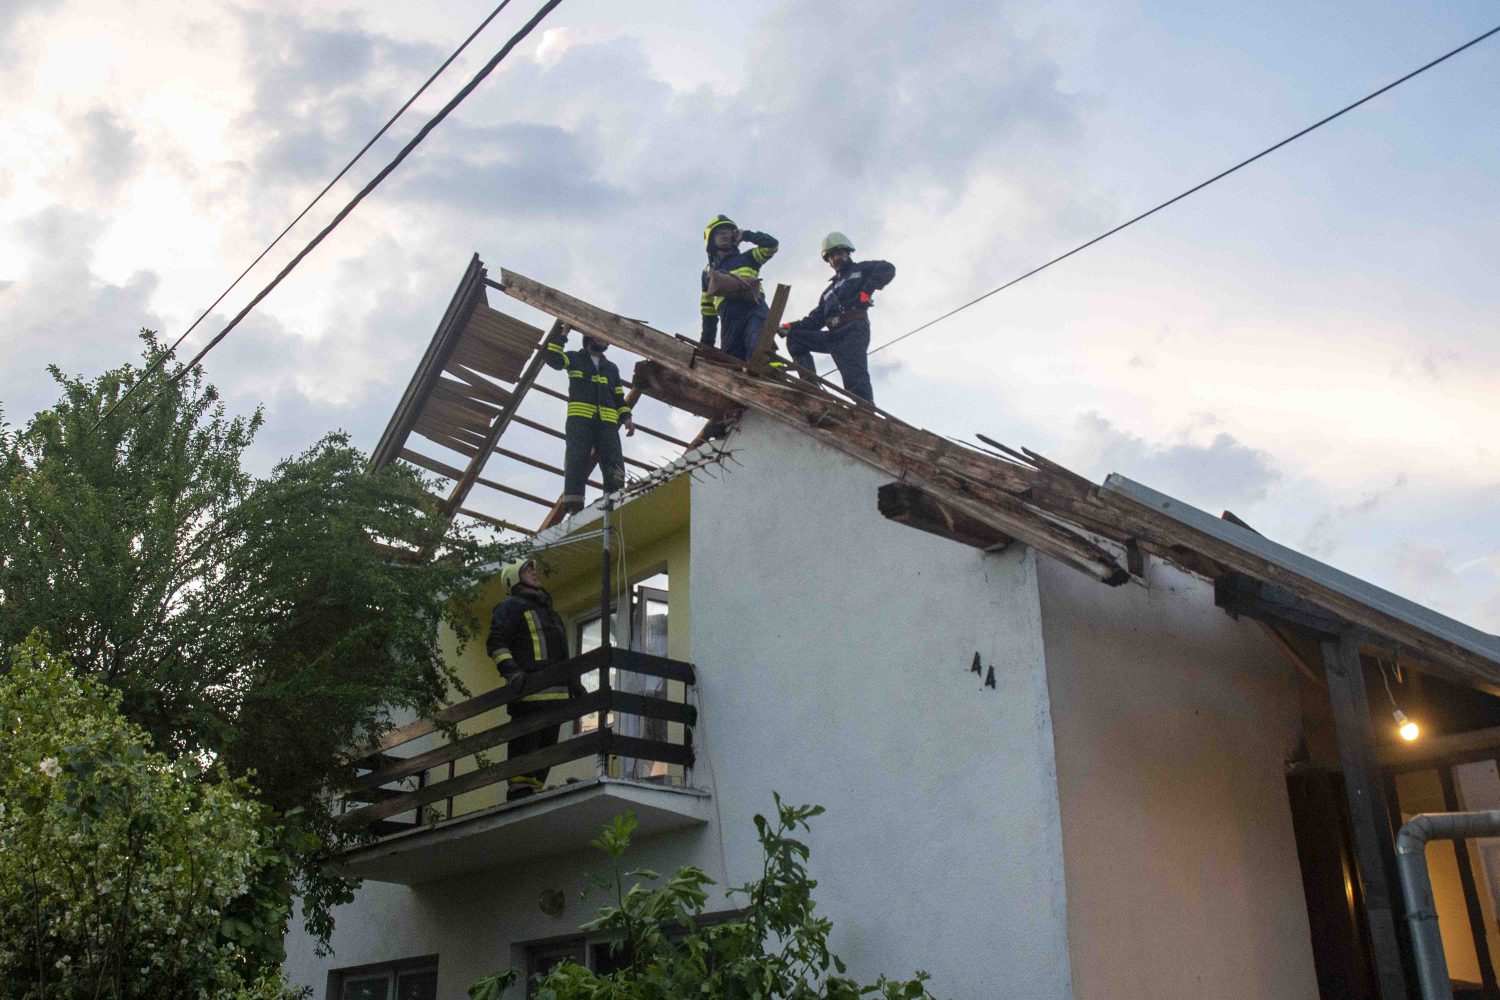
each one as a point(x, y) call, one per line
point(50, 767)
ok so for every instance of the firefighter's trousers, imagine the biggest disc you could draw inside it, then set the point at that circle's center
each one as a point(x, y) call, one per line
point(584, 436)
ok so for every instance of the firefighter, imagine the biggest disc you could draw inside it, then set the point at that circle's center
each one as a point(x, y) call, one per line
point(526, 635)
point(731, 285)
point(596, 408)
point(840, 325)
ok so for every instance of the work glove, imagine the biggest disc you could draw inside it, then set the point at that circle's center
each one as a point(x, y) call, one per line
point(866, 300)
point(710, 330)
point(517, 683)
point(629, 427)
point(784, 329)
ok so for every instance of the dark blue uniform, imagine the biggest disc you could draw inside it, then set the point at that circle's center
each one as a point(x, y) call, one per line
point(526, 636)
point(840, 325)
point(741, 318)
point(596, 405)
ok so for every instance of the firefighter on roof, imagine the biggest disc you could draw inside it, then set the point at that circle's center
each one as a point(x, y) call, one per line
point(732, 295)
point(526, 635)
point(596, 408)
point(840, 324)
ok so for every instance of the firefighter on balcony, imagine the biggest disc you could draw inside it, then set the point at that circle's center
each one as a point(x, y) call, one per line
point(840, 324)
point(526, 635)
point(732, 296)
point(596, 408)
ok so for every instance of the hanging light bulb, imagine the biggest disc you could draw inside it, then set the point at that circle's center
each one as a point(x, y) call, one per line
point(1407, 728)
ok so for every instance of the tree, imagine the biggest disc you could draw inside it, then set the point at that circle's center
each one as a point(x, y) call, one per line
point(116, 865)
point(775, 946)
point(257, 623)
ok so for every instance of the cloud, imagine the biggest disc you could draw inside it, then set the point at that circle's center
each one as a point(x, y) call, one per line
point(108, 153)
point(60, 312)
point(13, 12)
point(1221, 472)
point(1325, 534)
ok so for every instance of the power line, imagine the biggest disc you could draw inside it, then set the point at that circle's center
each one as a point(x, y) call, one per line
point(1192, 190)
point(340, 175)
point(374, 182)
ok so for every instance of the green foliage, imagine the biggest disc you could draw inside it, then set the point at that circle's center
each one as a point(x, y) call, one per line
point(492, 987)
point(247, 621)
point(774, 948)
point(116, 865)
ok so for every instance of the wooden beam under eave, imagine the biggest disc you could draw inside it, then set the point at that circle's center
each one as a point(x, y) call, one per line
point(908, 505)
point(1002, 512)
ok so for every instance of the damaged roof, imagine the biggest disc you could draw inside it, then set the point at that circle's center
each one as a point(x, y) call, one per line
point(983, 495)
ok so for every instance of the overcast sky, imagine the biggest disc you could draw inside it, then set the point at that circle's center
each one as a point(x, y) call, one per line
point(1310, 343)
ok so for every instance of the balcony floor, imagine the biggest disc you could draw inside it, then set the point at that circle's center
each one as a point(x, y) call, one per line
point(556, 821)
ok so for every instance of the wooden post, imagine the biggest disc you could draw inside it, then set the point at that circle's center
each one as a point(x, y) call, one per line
point(1374, 843)
point(767, 339)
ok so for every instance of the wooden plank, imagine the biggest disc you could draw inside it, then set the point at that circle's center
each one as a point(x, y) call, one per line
point(393, 438)
point(576, 748)
point(573, 708)
point(667, 753)
point(430, 464)
point(536, 464)
point(1477, 929)
point(479, 385)
point(682, 394)
point(514, 492)
point(496, 521)
point(628, 334)
point(1369, 811)
point(486, 446)
point(908, 505)
point(766, 341)
point(652, 708)
point(655, 666)
point(558, 673)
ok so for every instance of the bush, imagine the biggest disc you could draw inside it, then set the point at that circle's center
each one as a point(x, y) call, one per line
point(117, 867)
point(775, 947)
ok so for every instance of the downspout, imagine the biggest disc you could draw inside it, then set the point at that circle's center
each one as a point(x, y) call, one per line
point(1416, 886)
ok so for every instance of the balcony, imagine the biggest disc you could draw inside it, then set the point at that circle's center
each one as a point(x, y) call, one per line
point(433, 790)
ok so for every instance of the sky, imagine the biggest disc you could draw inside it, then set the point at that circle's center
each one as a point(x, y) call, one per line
point(1310, 343)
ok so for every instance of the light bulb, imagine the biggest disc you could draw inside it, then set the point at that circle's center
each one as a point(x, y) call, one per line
point(1407, 728)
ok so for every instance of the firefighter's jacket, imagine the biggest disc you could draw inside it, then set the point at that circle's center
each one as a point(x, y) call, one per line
point(594, 391)
point(840, 300)
point(747, 265)
point(527, 635)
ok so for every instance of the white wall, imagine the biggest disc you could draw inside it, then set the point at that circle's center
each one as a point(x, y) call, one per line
point(833, 651)
point(1173, 723)
point(473, 923)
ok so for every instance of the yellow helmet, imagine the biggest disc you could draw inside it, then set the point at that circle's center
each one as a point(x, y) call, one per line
point(715, 223)
point(510, 575)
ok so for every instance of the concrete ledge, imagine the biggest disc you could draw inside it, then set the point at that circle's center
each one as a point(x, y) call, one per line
point(556, 821)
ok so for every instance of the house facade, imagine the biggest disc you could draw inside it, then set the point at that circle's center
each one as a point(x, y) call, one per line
point(1110, 818)
point(1073, 740)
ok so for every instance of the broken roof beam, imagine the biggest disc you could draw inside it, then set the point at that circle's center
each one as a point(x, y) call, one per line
point(1000, 511)
point(908, 505)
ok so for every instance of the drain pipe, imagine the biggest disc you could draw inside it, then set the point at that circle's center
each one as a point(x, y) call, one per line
point(1416, 886)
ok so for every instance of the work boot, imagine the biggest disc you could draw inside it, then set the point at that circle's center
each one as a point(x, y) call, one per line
point(570, 507)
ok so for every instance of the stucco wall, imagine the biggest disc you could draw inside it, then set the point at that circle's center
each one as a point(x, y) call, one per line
point(475, 924)
point(833, 651)
point(1173, 722)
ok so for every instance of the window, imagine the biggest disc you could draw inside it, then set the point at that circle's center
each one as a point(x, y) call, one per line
point(543, 958)
point(412, 979)
point(648, 632)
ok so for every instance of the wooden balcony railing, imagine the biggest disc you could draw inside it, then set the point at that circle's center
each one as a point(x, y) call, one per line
point(385, 789)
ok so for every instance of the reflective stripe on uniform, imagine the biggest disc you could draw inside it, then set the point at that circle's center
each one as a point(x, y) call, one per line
point(538, 640)
point(546, 696)
point(504, 655)
point(582, 410)
point(763, 254)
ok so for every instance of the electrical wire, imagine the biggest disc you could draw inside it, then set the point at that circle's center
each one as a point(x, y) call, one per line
point(344, 212)
point(319, 196)
point(1192, 190)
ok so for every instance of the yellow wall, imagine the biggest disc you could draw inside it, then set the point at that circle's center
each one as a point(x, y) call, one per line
point(655, 528)
point(1419, 792)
